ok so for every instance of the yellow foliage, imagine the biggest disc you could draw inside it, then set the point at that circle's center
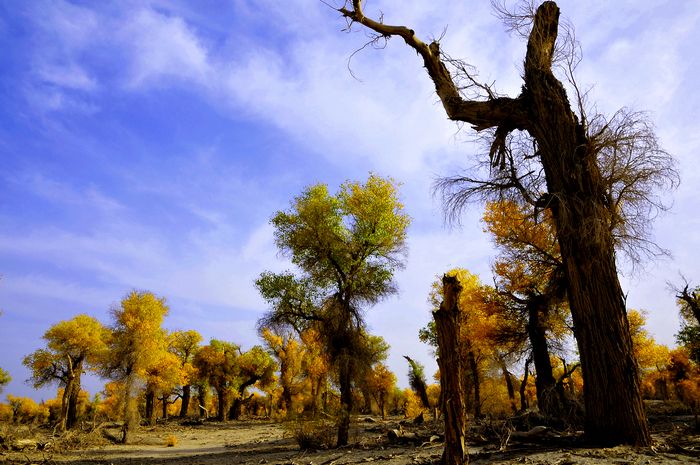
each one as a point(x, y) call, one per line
point(112, 406)
point(649, 354)
point(171, 441)
point(26, 410)
point(5, 412)
point(412, 406)
point(434, 394)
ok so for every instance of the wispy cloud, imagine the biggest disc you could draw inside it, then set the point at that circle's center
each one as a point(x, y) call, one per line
point(162, 47)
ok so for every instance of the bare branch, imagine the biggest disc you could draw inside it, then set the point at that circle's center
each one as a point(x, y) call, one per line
point(480, 114)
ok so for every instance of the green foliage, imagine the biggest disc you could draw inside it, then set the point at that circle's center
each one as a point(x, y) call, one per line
point(217, 363)
point(428, 334)
point(5, 379)
point(348, 247)
point(689, 337)
point(416, 379)
point(349, 243)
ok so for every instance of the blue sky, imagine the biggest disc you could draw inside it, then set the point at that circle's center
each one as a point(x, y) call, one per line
point(146, 144)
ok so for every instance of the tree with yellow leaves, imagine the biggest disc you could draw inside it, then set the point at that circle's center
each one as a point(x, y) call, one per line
point(184, 344)
point(138, 341)
point(162, 376)
point(477, 331)
point(380, 382)
point(71, 347)
point(530, 278)
point(289, 352)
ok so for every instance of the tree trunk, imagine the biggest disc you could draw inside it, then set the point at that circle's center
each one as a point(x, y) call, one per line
point(508, 377)
point(345, 381)
point(65, 401)
point(185, 405)
point(165, 399)
point(130, 413)
point(524, 404)
point(550, 397)
point(447, 324)
point(576, 194)
point(73, 397)
point(150, 406)
point(614, 409)
point(221, 411)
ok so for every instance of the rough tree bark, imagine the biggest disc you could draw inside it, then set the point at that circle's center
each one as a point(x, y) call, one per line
point(222, 401)
point(150, 407)
point(550, 398)
point(186, 395)
point(447, 323)
point(577, 198)
point(73, 396)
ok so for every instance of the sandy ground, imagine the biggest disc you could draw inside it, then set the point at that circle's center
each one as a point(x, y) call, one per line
point(262, 442)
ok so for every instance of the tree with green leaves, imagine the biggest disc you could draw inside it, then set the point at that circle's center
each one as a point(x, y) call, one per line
point(71, 347)
point(347, 247)
point(256, 367)
point(688, 299)
point(5, 379)
point(138, 341)
point(416, 379)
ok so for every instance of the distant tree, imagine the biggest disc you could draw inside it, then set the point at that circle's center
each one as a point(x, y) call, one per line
point(290, 354)
point(71, 347)
point(348, 247)
point(217, 363)
point(531, 282)
point(184, 344)
point(255, 368)
point(375, 351)
point(26, 410)
point(416, 379)
point(138, 341)
point(162, 376)
point(478, 326)
point(688, 299)
point(381, 383)
point(316, 368)
point(5, 379)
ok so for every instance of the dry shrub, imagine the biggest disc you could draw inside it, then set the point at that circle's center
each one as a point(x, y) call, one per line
point(171, 441)
point(314, 434)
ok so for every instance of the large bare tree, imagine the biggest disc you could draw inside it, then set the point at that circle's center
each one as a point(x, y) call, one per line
point(581, 185)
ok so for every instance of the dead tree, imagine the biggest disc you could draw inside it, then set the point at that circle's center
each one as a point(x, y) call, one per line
point(578, 195)
point(447, 326)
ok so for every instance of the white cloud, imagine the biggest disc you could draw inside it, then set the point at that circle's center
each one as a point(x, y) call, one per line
point(163, 47)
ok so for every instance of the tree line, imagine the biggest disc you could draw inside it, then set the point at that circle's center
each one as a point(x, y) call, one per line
point(509, 342)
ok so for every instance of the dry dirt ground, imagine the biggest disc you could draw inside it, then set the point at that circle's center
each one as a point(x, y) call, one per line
point(258, 442)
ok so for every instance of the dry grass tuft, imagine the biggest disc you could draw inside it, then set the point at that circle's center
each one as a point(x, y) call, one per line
point(314, 434)
point(171, 441)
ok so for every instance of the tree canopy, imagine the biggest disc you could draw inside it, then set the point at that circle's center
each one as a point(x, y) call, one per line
point(347, 247)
